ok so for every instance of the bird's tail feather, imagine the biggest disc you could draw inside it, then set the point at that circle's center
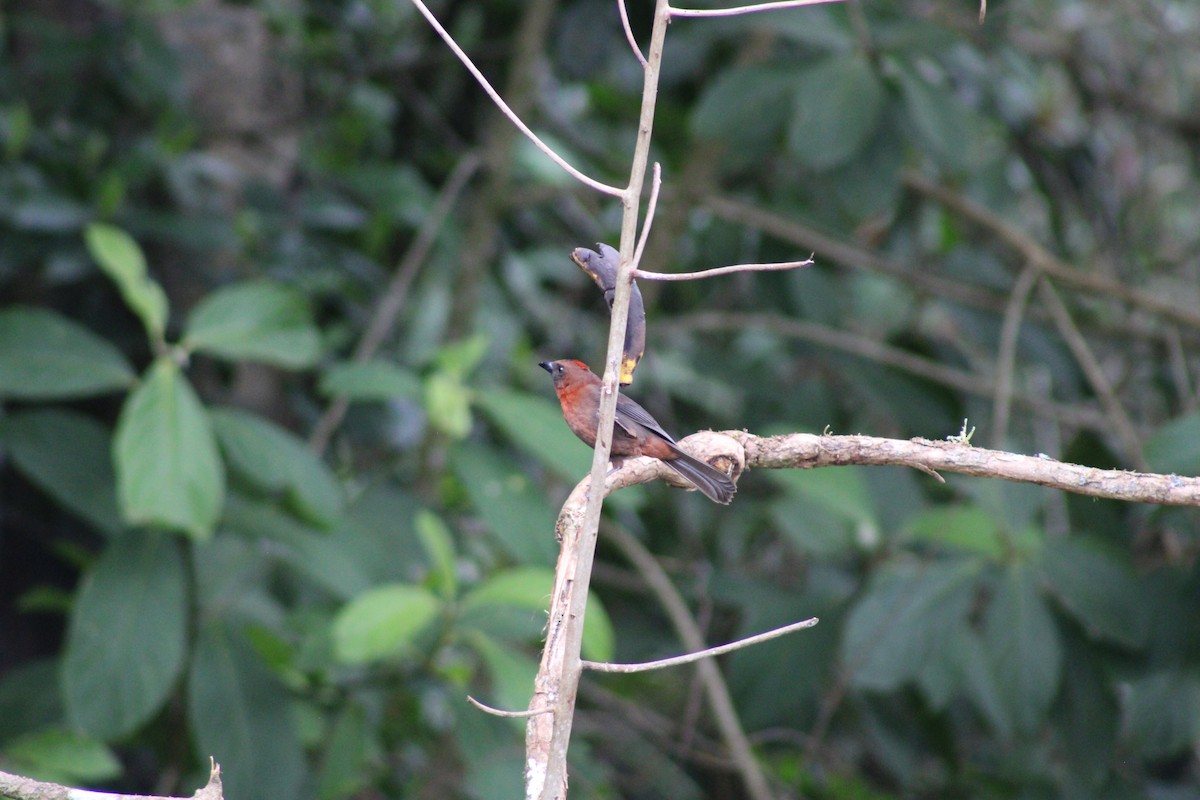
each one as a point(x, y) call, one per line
point(716, 485)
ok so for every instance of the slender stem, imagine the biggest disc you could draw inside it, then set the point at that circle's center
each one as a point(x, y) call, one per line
point(711, 652)
point(1006, 356)
point(655, 186)
point(508, 112)
point(637, 51)
point(751, 9)
point(717, 271)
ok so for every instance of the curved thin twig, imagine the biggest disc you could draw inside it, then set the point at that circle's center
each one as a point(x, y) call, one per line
point(718, 271)
point(637, 51)
point(499, 712)
point(751, 9)
point(17, 787)
point(651, 206)
point(508, 112)
point(711, 652)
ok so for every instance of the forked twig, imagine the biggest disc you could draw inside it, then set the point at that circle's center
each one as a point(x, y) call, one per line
point(651, 206)
point(499, 712)
point(688, 658)
point(508, 112)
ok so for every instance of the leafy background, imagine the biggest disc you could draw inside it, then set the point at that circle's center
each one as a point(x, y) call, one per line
point(196, 560)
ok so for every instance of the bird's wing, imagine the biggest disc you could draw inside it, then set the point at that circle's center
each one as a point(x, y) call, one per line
point(630, 412)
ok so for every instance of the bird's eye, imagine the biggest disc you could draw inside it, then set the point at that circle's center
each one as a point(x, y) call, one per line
point(559, 368)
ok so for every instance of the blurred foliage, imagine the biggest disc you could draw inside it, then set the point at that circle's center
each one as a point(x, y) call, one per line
point(189, 570)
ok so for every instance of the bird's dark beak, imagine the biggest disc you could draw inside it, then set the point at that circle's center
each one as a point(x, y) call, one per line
point(546, 365)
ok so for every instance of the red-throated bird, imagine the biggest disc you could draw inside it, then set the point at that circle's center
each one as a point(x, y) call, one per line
point(635, 433)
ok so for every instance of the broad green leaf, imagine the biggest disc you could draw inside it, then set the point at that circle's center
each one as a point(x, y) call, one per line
point(516, 513)
point(69, 456)
point(168, 470)
point(121, 259)
point(1087, 714)
point(528, 589)
point(535, 424)
point(275, 460)
point(242, 717)
point(60, 756)
point(842, 491)
point(970, 657)
point(30, 698)
point(369, 380)
point(257, 321)
point(448, 403)
point(907, 615)
point(1098, 591)
point(438, 545)
point(1172, 448)
point(383, 622)
point(943, 125)
point(1162, 713)
point(125, 642)
point(759, 93)
point(837, 110)
point(1023, 648)
point(321, 556)
point(459, 358)
point(967, 528)
point(46, 356)
point(350, 755)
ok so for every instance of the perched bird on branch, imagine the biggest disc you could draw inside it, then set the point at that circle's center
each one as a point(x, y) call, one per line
point(635, 433)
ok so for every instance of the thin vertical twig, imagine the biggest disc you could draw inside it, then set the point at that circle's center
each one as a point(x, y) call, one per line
point(1006, 356)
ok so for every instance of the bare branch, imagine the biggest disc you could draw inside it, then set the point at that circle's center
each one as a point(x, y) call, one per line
point(19, 788)
point(637, 51)
point(717, 271)
point(738, 10)
point(499, 712)
point(508, 112)
point(711, 652)
point(806, 451)
point(655, 186)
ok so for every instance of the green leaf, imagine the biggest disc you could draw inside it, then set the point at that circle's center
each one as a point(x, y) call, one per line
point(1162, 713)
point(30, 698)
point(125, 642)
point(759, 93)
point(842, 491)
point(60, 756)
point(349, 755)
point(1172, 448)
point(275, 460)
point(967, 528)
point(1097, 590)
point(257, 321)
point(439, 547)
point(369, 380)
point(837, 110)
point(516, 513)
point(168, 471)
point(1023, 648)
point(242, 717)
point(46, 356)
point(382, 622)
point(536, 425)
point(448, 403)
point(528, 589)
point(68, 456)
point(942, 124)
point(322, 557)
point(907, 615)
point(121, 259)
